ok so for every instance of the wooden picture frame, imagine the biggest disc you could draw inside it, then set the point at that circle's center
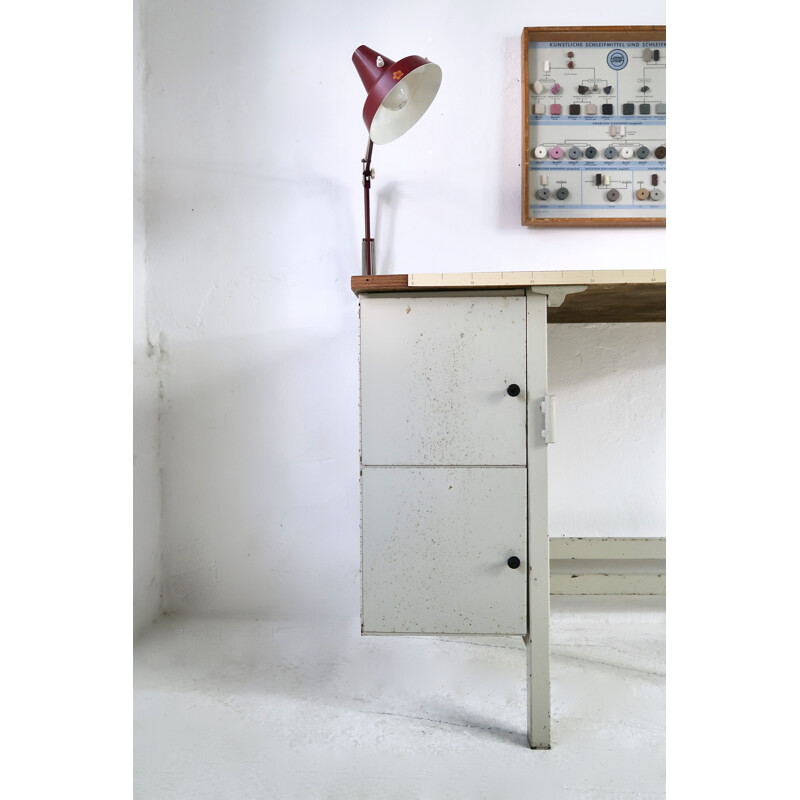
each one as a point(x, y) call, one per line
point(626, 67)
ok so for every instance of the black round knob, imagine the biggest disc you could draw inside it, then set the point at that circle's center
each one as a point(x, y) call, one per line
point(513, 562)
point(513, 390)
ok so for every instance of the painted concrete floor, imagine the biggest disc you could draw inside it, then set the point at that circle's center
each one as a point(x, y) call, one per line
point(233, 708)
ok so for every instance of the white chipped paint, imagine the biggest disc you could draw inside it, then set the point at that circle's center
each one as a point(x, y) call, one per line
point(608, 548)
point(538, 638)
point(434, 377)
point(436, 542)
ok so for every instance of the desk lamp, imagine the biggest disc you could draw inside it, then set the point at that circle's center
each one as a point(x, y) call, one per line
point(398, 94)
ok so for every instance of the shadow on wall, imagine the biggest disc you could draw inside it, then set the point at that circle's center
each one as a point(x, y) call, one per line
point(607, 468)
point(580, 354)
point(260, 465)
point(385, 215)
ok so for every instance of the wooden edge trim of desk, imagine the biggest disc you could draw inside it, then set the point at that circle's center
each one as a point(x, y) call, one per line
point(378, 283)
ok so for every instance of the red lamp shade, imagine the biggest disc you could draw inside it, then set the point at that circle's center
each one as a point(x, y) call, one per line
point(398, 92)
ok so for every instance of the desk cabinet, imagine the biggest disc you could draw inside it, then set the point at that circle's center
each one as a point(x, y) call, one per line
point(453, 470)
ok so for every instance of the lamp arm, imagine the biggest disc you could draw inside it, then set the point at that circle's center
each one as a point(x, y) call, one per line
point(368, 243)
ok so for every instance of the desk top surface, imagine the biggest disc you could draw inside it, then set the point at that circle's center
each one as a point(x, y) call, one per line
point(609, 296)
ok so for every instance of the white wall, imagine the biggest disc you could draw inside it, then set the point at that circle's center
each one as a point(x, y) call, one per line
point(607, 468)
point(146, 470)
point(254, 141)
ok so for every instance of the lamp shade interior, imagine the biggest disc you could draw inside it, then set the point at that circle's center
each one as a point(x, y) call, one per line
point(405, 103)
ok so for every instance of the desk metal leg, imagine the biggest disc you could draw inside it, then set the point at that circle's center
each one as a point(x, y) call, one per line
point(538, 639)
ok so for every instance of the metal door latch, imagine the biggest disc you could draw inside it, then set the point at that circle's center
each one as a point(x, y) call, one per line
point(548, 407)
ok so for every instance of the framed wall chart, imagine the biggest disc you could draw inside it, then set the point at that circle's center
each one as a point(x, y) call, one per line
point(594, 147)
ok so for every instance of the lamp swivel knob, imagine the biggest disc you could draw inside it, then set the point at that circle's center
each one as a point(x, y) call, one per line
point(513, 562)
point(513, 390)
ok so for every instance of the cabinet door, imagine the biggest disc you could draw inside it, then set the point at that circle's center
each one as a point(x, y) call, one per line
point(435, 371)
point(435, 548)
